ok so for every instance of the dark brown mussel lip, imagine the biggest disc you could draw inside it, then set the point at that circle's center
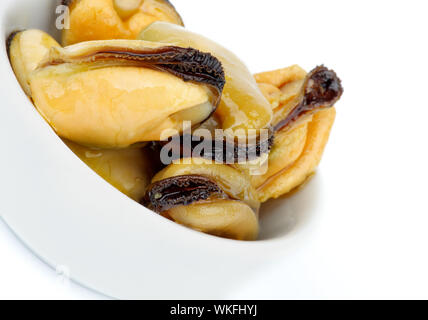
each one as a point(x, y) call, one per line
point(181, 191)
point(9, 40)
point(68, 3)
point(321, 90)
point(220, 151)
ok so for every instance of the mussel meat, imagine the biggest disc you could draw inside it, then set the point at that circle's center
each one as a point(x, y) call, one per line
point(116, 93)
point(303, 118)
point(114, 19)
point(213, 198)
point(128, 170)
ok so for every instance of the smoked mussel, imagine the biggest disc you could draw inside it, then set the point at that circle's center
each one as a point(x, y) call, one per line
point(129, 170)
point(304, 114)
point(210, 197)
point(117, 93)
point(114, 19)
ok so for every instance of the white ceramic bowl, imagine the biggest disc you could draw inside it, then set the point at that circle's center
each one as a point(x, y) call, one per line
point(72, 219)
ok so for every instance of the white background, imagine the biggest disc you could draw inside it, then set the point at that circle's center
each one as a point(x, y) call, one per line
point(375, 164)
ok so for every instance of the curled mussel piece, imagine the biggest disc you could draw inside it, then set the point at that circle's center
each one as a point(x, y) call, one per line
point(304, 114)
point(114, 19)
point(243, 109)
point(208, 197)
point(117, 93)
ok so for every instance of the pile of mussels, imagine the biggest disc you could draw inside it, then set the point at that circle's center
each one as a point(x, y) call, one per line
point(172, 119)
